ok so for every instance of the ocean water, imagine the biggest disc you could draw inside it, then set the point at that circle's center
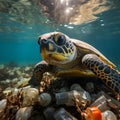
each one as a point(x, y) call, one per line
point(18, 41)
point(96, 22)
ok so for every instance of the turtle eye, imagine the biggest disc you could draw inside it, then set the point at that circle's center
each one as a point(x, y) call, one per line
point(60, 40)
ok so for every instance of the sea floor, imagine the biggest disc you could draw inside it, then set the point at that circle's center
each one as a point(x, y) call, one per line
point(16, 78)
point(11, 75)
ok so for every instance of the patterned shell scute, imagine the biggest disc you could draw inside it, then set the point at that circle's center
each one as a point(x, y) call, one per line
point(86, 47)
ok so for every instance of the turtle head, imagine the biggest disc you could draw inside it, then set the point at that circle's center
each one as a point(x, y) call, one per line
point(56, 48)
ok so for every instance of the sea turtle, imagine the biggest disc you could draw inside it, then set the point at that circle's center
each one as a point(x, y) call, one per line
point(65, 56)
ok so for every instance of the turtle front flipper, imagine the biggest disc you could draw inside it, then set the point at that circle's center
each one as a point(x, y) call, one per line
point(109, 75)
point(39, 69)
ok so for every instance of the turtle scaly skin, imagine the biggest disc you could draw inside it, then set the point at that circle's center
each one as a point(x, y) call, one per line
point(64, 56)
point(109, 76)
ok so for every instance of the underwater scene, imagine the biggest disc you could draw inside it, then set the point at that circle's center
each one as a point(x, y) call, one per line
point(59, 59)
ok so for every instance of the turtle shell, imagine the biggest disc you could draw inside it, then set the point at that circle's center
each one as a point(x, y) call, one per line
point(90, 49)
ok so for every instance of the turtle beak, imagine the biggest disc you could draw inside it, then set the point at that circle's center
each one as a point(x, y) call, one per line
point(43, 43)
point(46, 44)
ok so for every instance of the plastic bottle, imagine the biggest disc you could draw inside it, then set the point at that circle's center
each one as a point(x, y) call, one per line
point(101, 103)
point(93, 113)
point(67, 98)
point(108, 115)
point(62, 114)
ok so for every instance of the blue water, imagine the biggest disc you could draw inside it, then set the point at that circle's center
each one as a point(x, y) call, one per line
point(20, 45)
